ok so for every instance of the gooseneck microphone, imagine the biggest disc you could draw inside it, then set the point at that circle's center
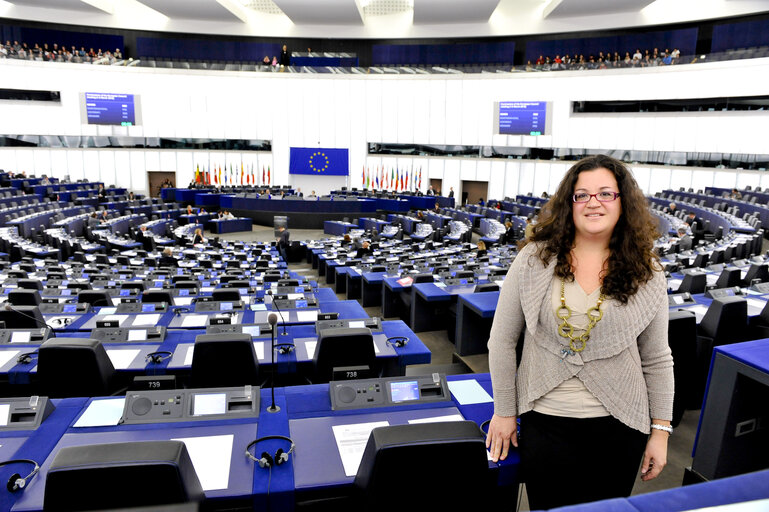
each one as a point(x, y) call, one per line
point(9, 307)
point(269, 292)
point(272, 319)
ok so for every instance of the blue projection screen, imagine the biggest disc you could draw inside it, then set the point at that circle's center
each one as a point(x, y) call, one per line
point(110, 109)
point(522, 117)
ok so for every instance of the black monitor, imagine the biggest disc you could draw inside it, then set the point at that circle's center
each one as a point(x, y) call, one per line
point(121, 475)
point(22, 317)
point(458, 473)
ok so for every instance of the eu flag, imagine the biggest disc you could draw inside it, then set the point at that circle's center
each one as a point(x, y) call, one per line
point(319, 161)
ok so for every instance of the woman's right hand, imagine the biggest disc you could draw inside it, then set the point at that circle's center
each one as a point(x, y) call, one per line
point(502, 432)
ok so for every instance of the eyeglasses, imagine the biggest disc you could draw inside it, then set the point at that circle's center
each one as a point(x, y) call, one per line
point(604, 197)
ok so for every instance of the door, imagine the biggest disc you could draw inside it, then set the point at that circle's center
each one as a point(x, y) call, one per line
point(155, 179)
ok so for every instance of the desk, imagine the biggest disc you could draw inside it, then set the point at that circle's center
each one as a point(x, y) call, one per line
point(230, 225)
point(430, 303)
point(475, 313)
point(729, 441)
point(370, 224)
point(335, 227)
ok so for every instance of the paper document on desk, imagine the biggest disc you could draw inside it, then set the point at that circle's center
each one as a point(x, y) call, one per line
point(102, 413)
point(211, 456)
point(116, 318)
point(122, 358)
point(755, 306)
point(188, 355)
point(438, 419)
point(194, 321)
point(306, 316)
point(699, 311)
point(258, 348)
point(674, 284)
point(469, 392)
point(309, 346)
point(146, 320)
point(5, 410)
point(183, 301)
point(351, 441)
point(6, 356)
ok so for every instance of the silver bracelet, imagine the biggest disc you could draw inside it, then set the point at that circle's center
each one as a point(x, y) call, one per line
point(665, 428)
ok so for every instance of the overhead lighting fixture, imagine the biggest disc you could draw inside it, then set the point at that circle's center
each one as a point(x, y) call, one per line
point(236, 8)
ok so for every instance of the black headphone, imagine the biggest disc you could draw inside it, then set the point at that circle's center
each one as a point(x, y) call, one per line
point(267, 460)
point(285, 348)
point(16, 482)
point(158, 357)
point(179, 310)
point(398, 341)
point(26, 358)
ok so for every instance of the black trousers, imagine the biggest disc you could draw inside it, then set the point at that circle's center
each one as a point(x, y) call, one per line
point(565, 461)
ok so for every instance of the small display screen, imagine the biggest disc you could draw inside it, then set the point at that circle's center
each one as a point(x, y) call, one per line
point(522, 117)
point(110, 109)
point(148, 308)
point(301, 303)
point(125, 293)
point(184, 292)
point(404, 391)
point(252, 330)
point(159, 284)
point(69, 308)
point(226, 306)
point(110, 283)
point(206, 404)
point(66, 291)
point(463, 281)
point(243, 291)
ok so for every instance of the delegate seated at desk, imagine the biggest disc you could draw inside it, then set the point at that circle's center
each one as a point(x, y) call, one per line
point(684, 240)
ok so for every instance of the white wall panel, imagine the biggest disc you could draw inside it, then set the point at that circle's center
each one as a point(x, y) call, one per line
point(496, 178)
point(557, 172)
point(454, 101)
point(123, 172)
point(526, 178)
point(388, 103)
point(643, 178)
point(404, 99)
point(420, 89)
point(340, 116)
point(541, 178)
point(725, 179)
point(752, 179)
point(59, 164)
point(139, 172)
point(91, 165)
point(107, 166)
point(373, 98)
point(512, 177)
point(25, 161)
point(451, 176)
point(467, 170)
point(660, 180)
point(75, 165)
point(469, 123)
point(702, 179)
point(483, 171)
point(8, 160)
point(437, 112)
point(681, 178)
point(42, 159)
point(765, 181)
point(327, 111)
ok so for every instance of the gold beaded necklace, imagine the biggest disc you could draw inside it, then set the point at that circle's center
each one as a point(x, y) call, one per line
point(566, 330)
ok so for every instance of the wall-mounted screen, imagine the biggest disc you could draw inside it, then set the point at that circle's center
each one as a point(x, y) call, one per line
point(522, 117)
point(110, 109)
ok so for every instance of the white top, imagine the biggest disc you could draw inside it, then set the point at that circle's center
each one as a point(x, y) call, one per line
point(571, 398)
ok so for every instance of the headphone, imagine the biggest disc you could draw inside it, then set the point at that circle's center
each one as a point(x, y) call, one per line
point(267, 460)
point(26, 358)
point(158, 357)
point(179, 310)
point(16, 482)
point(398, 341)
point(285, 348)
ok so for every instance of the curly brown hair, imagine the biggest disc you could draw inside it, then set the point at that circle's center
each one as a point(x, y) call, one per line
point(632, 260)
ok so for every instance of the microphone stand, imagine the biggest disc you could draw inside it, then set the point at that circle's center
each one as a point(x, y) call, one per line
point(273, 320)
point(284, 333)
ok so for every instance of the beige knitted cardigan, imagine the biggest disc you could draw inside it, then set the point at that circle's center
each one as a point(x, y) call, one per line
point(626, 364)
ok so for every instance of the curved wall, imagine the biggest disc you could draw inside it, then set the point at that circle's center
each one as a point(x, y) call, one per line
point(349, 111)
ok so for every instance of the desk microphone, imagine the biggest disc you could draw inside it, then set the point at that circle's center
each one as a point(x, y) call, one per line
point(269, 292)
point(9, 307)
point(272, 318)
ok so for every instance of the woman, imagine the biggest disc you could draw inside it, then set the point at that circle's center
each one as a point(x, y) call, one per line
point(595, 383)
point(197, 238)
point(481, 249)
point(189, 209)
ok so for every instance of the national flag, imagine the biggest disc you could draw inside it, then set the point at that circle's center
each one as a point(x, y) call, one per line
point(376, 179)
point(263, 178)
point(420, 178)
point(197, 174)
point(242, 172)
point(392, 177)
point(363, 183)
point(269, 179)
point(402, 187)
point(407, 180)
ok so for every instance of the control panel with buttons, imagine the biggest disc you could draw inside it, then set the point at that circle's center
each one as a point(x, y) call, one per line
point(163, 406)
point(387, 392)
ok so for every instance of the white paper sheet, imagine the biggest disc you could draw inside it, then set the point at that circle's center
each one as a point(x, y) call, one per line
point(211, 456)
point(7, 355)
point(183, 301)
point(699, 311)
point(295, 296)
point(358, 324)
point(188, 355)
point(194, 321)
point(351, 441)
point(755, 306)
point(151, 319)
point(5, 410)
point(307, 316)
point(438, 419)
point(21, 337)
point(310, 347)
point(106, 311)
point(469, 392)
point(258, 307)
point(674, 284)
point(122, 358)
point(259, 349)
point(137, 334)
point(677, 299)
point(102, 412)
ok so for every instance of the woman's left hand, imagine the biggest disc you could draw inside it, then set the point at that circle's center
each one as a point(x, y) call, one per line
point(655, 456)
